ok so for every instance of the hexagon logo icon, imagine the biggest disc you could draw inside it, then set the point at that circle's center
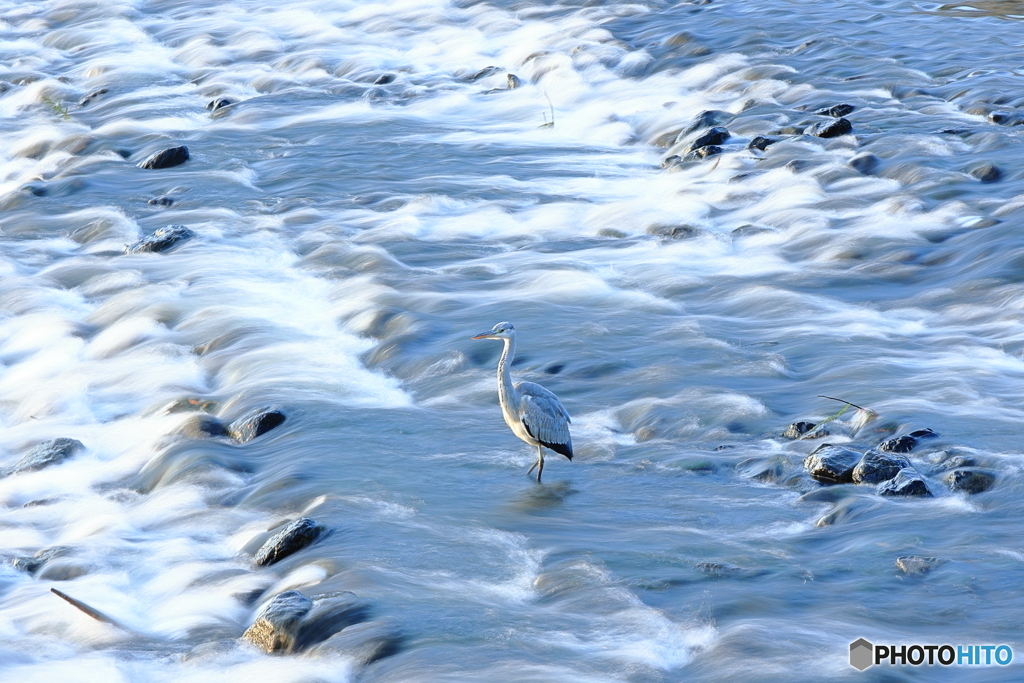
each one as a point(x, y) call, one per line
point(862, 654)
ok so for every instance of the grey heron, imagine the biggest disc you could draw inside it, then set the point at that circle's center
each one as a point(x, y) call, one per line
point(532, 412)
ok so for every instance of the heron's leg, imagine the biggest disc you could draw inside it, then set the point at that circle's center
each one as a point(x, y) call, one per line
point(540, 461)
point(531, 469)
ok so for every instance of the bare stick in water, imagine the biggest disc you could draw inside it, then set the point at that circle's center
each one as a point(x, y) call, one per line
point(551, 123)
point(846, 402)
point(94, 613)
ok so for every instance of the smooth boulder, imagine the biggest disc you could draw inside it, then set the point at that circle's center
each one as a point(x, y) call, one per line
point(763, 142)
point(292, 622)
point(161, 240)
point(166, 158)
point(274, 629)
point(829, 129)
point(47, 453)
point(915, 564)
point(907, 442)
point(907, 482)
point(247, 428)
point(969, 481)
point(798, 429)
point(712, 136)
point(830, 464)
point(876, 467)
point(836, 111)
point(290, 540)
point(365, 643)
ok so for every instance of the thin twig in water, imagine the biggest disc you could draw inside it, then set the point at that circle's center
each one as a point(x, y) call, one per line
point(551, 123)
point(846, 402)
point(94, 613)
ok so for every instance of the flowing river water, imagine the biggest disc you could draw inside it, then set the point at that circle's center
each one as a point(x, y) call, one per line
point(373, 197)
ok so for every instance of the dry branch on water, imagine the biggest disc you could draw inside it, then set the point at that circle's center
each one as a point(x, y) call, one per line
point(860, 418)
point(94, 613)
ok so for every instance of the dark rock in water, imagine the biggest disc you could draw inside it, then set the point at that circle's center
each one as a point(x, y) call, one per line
point(293, 538)
point(969, 481)
point(330, 614)
point(202, 426)
point(161, 240)
point(48, 453)
point(274, 628)
point(673, 232)
point(865, 164)
point(832, 464)
point(365, 643)
point(161, 201)
point(748, 230)
point(877, 467)
point(219, 103)
point(1007, 118)
point(35, 563)
point(669, 162)
point(166, 158)
point(95, 94)
point(247, 428)
point(384, 79)
point(836, 111)
point(829, 129)
point(797, 429)
point(484, 73)
point(701, 153)
point(906, 483)
point(915, 564)
point(907, 442)
point(712, 136)
point(987, 173)
point(513, 82)
point(926, 433)
point(704, 119)
point(763, 142)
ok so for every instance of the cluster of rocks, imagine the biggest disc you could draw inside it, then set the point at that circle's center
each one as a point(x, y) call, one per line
point(242, 430)
point(888, 469)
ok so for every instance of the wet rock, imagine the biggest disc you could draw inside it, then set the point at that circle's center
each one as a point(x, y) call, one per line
point(701, 153)
point(513, 82)
point(33, 564)
point(330, 614)
point(161, 240)
point(847, 510)
point(763, 142)
point(747, 231)
point(365, 643)
point(247, 428)
point(201, 427)
point(672, 161)
point(161, 201)
point(866, 163)
point(969, 481)
point(797, 430)
point(62, 570)
point(907, 442)
point(712, 136)
point(275, 626)
point(166, 158)
point(218, 103)
point(47, 453)
point(384, 79)
point(768, 470)
point(832, 464)
point(956, 462)
point(1007, 118)
point(906, 483)
point(705, 119)
point(987, 173)
point(91, 97)
point(290, 540)
point(915, 564)
point(877, 467)
point(836, 111)
point(673, 232)
point(483, 73)
point(829, 129)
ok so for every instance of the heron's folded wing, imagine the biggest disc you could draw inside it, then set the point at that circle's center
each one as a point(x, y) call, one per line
point(543, 414)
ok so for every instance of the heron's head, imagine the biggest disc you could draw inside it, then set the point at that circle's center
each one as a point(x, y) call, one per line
point(499, 331)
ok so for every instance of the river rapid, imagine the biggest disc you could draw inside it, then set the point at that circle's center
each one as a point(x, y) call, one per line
point(375, 194)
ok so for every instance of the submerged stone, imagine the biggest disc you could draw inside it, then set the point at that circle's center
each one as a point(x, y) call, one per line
point(832, 464)
point(292, 622)
point(290, 540)
point(915, 564)
point(247, 428)
point(969, 480)
point(219, 103)
point(48, 453)
point(365, 643)
point(763, 142)
point(987, 173)
point(712, 136)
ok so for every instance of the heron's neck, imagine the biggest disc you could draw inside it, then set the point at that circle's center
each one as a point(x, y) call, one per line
point(504, 374)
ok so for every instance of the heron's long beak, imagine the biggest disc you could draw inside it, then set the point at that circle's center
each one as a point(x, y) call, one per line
point(483, 335)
